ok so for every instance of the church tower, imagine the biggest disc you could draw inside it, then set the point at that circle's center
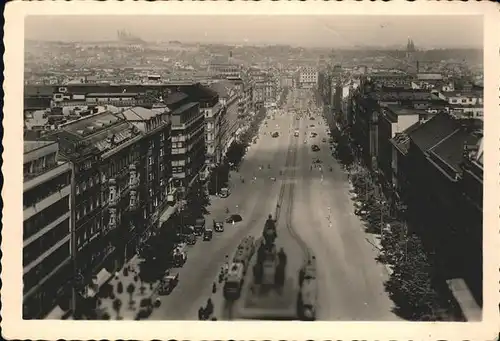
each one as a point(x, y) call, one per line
point(410, 49)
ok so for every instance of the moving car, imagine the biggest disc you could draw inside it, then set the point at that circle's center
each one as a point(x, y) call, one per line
point(296, 134)
point(324, 139)
point(224, 192)
point(312, 125)
point(219, 226)
point(275, 134)
point(315, 148)
point(234, 218)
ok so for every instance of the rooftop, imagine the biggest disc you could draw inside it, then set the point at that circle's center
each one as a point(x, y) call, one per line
point(402, 111)
point(223, 88)
point(463, 93)
point(113, 94)
point(401, 95)
point(433, 131)
point(184, 107)
point(402, 141)
point(140, 114)
point(30, 146)
point(175, 97)
point(429, 76)
point(451, 148)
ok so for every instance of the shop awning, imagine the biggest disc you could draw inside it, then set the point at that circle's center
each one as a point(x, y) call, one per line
point(97, 281)
point(102, 277)
point(167, 214)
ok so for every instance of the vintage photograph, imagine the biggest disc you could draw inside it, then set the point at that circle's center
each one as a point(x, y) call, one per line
point(253, 168)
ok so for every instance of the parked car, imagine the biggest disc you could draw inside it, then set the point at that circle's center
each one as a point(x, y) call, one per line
point(168, 283)
point(191, 239)
point(275, 134)
point(219, 226)
point(179, 258)
point(208, 234)
point(315, 148)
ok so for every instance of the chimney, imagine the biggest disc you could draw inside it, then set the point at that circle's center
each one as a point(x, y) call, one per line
point(418, 66)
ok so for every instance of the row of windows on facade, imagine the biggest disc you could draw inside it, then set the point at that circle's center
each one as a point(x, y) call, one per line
point(466, 100)
point(39, 165)
point(94, 202)
point(50, 238)
point(40, 220)
point(38, 193)
point(95, 226)
point(46, 266)
point(42, 300)
point(95, 179)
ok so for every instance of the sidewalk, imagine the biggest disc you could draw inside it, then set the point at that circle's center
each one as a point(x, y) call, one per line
point(129, 309)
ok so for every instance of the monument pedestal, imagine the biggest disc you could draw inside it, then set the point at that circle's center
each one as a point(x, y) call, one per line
point(259, 302)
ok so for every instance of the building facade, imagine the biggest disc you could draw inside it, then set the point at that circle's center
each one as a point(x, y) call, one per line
point(307, 78)
point(188, 141)
point(121, 175)
point(47, 226)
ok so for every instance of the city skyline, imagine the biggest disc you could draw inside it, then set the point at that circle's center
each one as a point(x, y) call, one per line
point(344, 31)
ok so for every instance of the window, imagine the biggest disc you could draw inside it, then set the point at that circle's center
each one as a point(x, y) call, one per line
point(161, 166)
point(161, 152)
point(150, 160)
point(77, 188)
point(91, 182)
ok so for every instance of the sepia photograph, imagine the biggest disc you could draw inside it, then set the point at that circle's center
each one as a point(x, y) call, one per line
point(252, 167)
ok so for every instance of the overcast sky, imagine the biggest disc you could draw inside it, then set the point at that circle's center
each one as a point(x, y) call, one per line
point(307, 31)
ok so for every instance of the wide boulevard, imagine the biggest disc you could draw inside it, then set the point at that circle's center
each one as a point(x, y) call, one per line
point(350, 281)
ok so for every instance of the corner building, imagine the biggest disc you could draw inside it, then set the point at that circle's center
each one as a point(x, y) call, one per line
point(47, 221)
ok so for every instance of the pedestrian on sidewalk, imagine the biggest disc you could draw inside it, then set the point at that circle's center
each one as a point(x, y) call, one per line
point(201, 313)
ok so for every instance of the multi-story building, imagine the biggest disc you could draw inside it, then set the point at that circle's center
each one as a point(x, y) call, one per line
point(286, 80)
point(120, 182)
point(152, 173)
point(213, 122)
point(307, 78)
point(188, 140)
point(229, 96)
point(393, 119)
point(467, 104)
point(439, 203)
point(224, 68)
point(47, 226)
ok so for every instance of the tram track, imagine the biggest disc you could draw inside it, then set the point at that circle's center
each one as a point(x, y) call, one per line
point(288, 187)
